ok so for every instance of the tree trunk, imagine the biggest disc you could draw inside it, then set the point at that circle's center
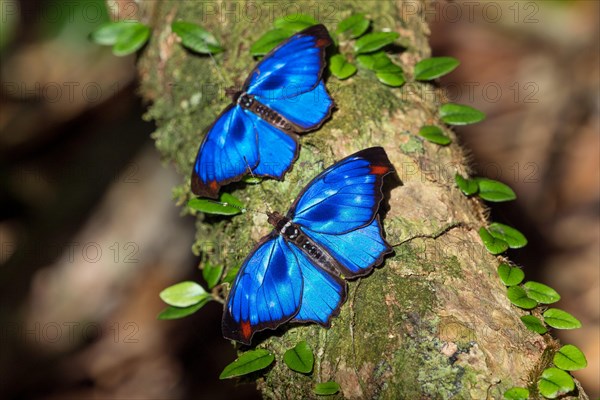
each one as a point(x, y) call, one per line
point(434, 320)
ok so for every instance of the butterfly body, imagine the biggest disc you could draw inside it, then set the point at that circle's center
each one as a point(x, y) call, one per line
point(283, 96)
point(331, 231)
point(293, 234)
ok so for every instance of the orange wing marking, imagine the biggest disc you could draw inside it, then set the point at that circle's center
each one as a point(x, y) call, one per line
point(379, 169)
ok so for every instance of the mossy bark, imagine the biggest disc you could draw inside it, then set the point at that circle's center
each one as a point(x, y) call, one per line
point(433, 321)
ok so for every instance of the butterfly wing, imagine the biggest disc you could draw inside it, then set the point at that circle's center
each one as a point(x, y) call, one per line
point(266, 292)
point(322, 293)
point(289, 79)
point(338, 211)
point(345, 196)
point(229, 149)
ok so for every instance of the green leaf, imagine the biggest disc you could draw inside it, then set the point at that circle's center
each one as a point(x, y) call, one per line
point(510, 276)
point(250, 361)
point(541, 293)
point(300, 358)
point(560, 319)
point(459, 114)
point(374, 61)
point(327, 388)
point(517, 393)
point(434, 134)
point(107, 33)
point(183, 294)
point(555, 382)
point(211, 274)
point(196, 38)
point(493, 245)
point(340, 67)
point(570, 358)
point(231, 274)
point(374, 41)
point(269, 41)
point(386, 71)
point(171, 312)
point(131, 39)
point(495, 191)
point(357, 24)
point(227, 205)
point(510, 235)
point(519, 298)
point(534, 324)
point(294, 22)
point(467, 186)
point(393, 76)
point(434, 67)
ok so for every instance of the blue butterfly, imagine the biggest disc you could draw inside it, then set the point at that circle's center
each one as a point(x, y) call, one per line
point(283, 95)
point(332, 229)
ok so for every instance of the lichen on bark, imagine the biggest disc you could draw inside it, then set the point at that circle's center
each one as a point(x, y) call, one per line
point(433, 321)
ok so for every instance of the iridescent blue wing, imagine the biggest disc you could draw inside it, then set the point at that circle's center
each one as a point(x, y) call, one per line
point(294, 67)
point(322, 294)
point(266, 292)
point(345, 196)
point(289, 79)
point(228, 151)
point(338, 210)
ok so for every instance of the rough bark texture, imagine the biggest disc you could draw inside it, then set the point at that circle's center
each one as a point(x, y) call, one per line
point(434, 321)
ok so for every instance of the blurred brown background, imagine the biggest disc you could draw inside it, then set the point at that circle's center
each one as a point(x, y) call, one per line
point(89, 233)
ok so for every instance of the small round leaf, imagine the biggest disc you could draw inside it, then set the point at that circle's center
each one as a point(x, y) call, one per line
point(391, 76)
point(196, 38)
point(467, 186)
point(493, 245)
point(570, 358)
point(374, 41)
point(299, 358)
point(327, 388)
point(248, 362)
point(516, 393)
point(459, 114)
point(340, 67)
point(510, 235)
point(495, 191)
point(560, 319)
point(534, 324)
point(356, 24)
point(227, 205)
point(434, 134)
point(510, 276)
point(434, 67)
point(171, 312)
point(555, 382)
point(269, 41)
point(107, 33)
point(183, 294)
point(212, 274)
point(519, 298)
point(541, 293)
point(131, 39)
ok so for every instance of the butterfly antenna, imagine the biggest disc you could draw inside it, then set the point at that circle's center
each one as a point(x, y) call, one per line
point(264, 194)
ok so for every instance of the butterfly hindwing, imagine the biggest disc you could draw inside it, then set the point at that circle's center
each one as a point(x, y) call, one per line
point(266, 292)
point(288, 81)
point(356, 251)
